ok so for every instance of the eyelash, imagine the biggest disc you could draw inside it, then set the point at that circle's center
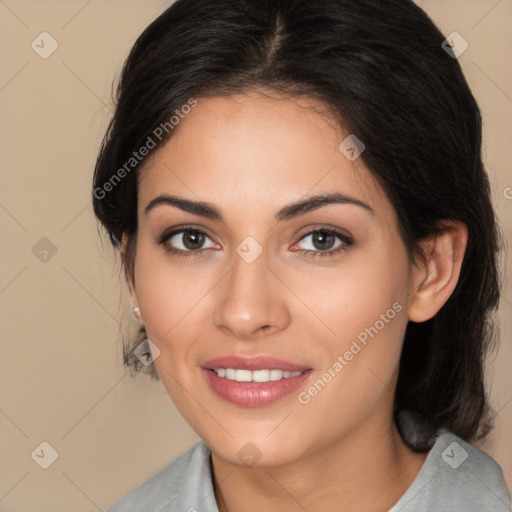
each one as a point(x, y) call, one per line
point(346, 242)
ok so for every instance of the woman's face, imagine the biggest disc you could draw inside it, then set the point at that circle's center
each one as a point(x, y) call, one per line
point(245, 285)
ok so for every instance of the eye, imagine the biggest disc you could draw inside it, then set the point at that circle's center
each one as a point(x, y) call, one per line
point(189, 240)
point(322, 242)
point(184, 241)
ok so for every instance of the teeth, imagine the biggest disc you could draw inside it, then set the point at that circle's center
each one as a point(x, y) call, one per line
point(256, 375)
point(260, 375)
point(276, 374)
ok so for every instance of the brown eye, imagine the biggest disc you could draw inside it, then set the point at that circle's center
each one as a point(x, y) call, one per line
point(185, 241)
point(192, 239)
point(323, 242)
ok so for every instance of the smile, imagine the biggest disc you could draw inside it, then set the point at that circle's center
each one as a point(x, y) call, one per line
point(255, 388)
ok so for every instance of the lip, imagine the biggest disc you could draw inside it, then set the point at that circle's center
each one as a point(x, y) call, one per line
point(253, 394)
point(262, 362)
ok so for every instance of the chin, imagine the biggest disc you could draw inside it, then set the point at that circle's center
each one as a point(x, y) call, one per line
point(256, 450)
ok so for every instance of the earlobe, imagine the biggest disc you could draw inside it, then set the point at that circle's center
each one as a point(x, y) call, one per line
point(135, 308)
point(434, 279)
point(135, 313)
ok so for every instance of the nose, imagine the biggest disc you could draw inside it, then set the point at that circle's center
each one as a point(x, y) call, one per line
point(251, 300)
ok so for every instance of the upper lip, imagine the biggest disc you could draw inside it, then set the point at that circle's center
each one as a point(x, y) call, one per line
point(262, 362)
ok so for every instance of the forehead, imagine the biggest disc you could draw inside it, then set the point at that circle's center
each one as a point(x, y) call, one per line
point(257, 152)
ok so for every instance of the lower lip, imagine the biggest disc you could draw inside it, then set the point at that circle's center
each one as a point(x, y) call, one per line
point(254, 394)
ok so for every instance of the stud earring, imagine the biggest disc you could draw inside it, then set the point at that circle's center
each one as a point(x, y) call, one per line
point(135, 313)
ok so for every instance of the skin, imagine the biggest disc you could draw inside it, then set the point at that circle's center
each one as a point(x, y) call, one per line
point(250, 155)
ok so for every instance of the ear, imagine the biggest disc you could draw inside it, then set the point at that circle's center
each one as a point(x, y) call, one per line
point(435, 278)
point(130, 279)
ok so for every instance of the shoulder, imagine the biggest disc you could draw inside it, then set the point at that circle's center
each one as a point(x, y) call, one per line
point(468, 477)
point(456, 476)
point(180, 485)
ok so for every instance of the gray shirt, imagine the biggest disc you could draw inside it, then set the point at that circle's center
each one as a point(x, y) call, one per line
point(455, 477)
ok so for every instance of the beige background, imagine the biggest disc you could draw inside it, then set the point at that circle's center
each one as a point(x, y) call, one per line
point(61, 374)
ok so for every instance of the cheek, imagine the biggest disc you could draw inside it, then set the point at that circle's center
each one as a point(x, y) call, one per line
point(359, 373)
point(166, 293)
point(350, 297)
point(361, 311)
point(160, 297)
point(341, 300)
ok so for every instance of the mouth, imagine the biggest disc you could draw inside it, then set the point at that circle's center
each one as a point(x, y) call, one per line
point(254, 381)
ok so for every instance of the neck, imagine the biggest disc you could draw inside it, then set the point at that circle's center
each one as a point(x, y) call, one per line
point(368, 470)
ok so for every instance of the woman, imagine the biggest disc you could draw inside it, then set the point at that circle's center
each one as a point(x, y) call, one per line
point(304, 220)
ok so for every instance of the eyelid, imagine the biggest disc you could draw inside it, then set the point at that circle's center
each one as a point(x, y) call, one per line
point(324, 227)
point(169, 233)
point(346, 239)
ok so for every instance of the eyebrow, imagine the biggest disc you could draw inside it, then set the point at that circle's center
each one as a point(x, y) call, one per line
point(289, 211)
